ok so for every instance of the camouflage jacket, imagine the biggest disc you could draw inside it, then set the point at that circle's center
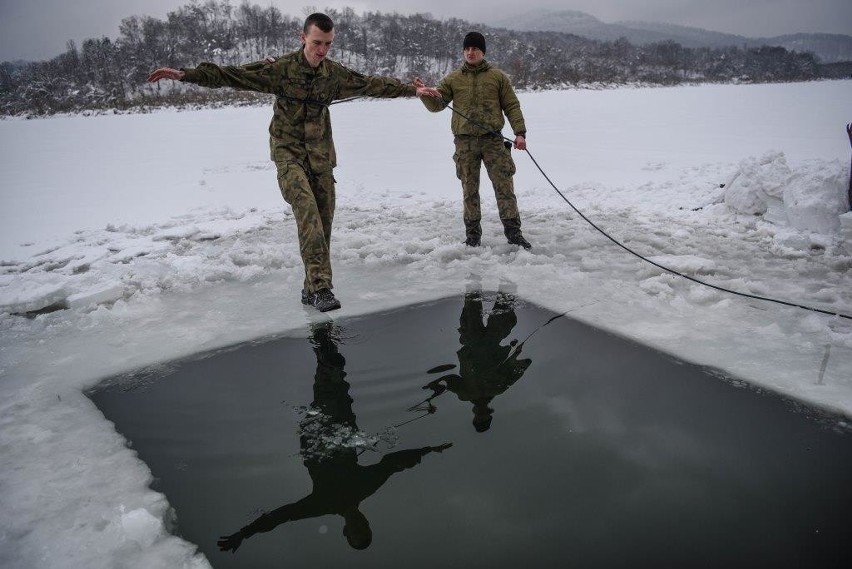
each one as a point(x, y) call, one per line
point(300, 131)
point(484, 94)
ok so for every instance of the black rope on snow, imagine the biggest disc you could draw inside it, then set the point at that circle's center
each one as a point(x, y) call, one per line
point(632, 252)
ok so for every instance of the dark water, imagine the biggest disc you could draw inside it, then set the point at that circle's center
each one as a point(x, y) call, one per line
point(482, 432)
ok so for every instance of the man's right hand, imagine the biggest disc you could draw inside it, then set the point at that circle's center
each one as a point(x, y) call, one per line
point(425, 91)
point(166, 73)
point(230, 542)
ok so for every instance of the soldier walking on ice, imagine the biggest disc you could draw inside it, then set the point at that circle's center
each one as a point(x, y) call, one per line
point(301, 145)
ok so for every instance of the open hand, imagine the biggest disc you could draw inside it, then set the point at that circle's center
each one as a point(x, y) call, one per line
point(425, 91)
point(230, 542)
point(166, 73)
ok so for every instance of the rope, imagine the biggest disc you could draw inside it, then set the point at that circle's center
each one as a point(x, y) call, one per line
point(307, 101)
point(632, 252)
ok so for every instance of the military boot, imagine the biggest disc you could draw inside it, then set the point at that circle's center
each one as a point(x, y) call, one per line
point(473, 232)
point(512, 230)
point(323, 300)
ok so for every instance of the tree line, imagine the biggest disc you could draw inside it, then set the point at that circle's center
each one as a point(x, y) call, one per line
point(104, 74)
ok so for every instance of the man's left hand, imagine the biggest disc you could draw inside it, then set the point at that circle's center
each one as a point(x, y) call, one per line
point(520, 142)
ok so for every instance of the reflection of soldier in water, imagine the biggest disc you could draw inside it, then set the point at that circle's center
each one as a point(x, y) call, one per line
point(486, 367)
point(340, 484)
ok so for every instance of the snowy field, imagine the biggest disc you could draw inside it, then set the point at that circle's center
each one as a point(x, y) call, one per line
point(164, 234)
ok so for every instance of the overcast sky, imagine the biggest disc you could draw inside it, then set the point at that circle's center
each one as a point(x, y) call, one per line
point(39, 29)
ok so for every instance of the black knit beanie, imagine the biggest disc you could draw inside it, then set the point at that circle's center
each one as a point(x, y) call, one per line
point(474, 39)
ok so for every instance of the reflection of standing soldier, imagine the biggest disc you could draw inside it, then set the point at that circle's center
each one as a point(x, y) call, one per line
point(340, 484)
point(486, 367)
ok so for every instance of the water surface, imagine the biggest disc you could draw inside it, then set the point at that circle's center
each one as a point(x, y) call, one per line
point(482, 431)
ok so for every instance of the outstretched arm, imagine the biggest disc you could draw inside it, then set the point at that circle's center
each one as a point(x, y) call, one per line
point(258, 76)
point(404, 459)
point(307, 507)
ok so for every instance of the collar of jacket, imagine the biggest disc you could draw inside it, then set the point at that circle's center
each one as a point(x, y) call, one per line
point(323, 69)
point(478, 68)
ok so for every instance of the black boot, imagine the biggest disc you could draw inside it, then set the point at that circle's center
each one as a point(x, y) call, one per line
point(323, 300)
point(473, 232)
point(512, 230)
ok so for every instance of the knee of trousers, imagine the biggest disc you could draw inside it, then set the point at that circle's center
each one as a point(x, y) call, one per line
point(294, 185)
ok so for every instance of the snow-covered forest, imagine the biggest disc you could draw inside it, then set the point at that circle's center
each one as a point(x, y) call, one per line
point(109, 73)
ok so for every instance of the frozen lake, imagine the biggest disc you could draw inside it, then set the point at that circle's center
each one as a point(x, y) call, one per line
point(164, 235)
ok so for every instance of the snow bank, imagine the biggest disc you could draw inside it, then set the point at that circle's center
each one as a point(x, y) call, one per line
point(812, 199)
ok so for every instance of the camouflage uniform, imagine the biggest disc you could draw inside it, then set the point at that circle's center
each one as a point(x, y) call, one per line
point(483, 94)
point(300, 137)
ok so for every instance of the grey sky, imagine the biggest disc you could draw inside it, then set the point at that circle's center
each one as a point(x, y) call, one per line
point(39, 29)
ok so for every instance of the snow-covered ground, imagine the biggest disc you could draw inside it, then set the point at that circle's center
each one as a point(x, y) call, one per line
point(164, 235)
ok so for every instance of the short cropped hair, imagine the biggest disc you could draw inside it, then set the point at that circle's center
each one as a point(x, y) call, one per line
point(319, 20)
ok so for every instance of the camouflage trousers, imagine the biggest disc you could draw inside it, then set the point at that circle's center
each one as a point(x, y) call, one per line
point(471, 152)
point(311, 195)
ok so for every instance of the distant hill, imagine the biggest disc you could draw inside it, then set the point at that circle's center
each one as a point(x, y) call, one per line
point(829, 48)
point(687, 36)
point(574, 22)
